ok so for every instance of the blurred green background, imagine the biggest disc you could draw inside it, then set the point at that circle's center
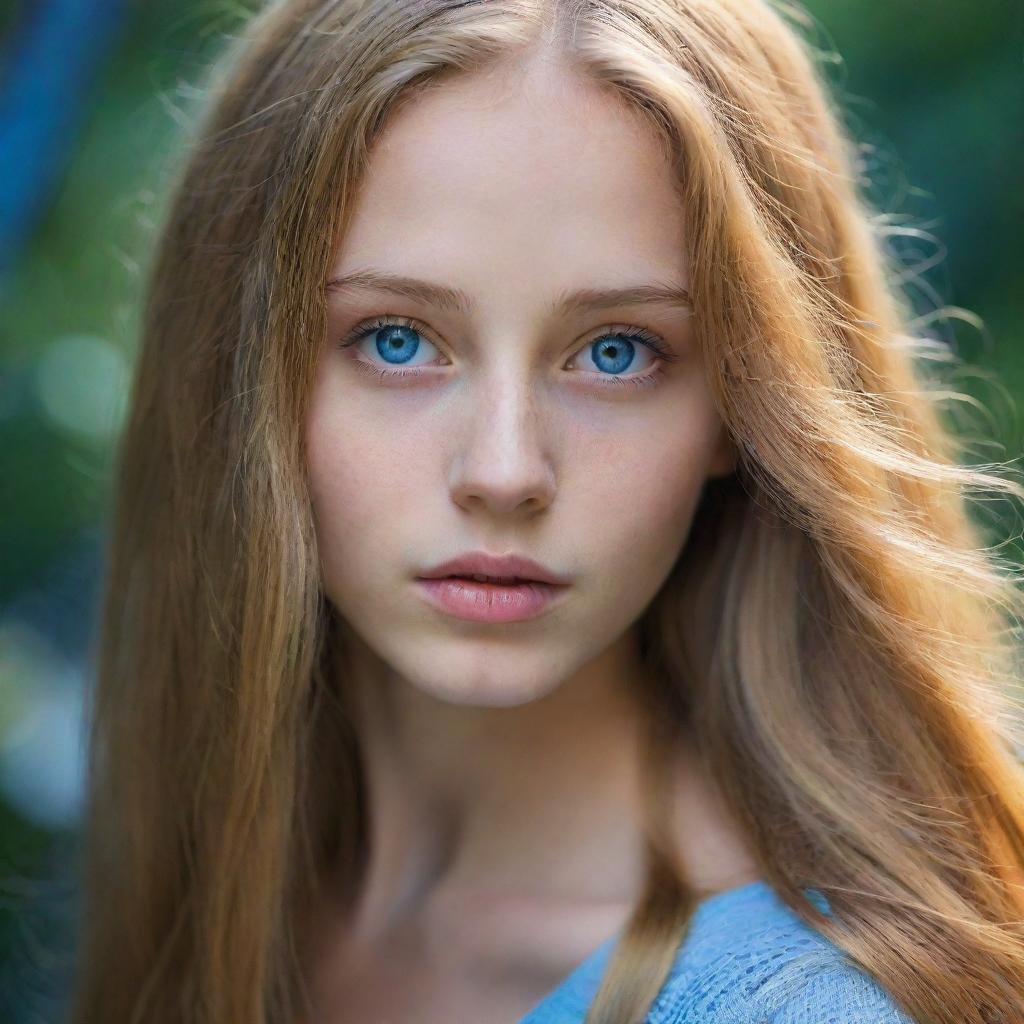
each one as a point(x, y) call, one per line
point(94, 98)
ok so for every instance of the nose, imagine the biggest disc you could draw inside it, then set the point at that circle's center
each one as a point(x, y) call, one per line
point(501, 461)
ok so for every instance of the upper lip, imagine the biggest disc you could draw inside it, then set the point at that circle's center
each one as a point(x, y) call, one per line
point(480, 563)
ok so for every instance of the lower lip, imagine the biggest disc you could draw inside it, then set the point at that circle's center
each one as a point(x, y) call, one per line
point(491, 602)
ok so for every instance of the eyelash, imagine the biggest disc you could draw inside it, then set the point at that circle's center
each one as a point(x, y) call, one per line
point(645, 337)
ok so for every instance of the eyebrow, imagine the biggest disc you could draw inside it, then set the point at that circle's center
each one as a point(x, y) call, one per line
point(568, 302)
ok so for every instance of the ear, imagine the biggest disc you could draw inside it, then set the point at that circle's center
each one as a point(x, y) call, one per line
point(725, 457)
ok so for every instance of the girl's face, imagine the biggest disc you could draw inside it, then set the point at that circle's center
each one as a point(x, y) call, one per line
point(515, 421)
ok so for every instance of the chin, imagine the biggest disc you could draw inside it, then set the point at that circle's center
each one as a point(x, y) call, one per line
point(475, 675)
point(492, 689)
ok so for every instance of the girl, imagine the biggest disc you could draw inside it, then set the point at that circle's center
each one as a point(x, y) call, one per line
point(542, 586)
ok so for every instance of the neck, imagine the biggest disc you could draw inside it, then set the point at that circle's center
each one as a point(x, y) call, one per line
point(537, 803)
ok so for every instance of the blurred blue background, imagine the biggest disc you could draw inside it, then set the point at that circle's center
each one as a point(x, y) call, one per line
point(94, 98)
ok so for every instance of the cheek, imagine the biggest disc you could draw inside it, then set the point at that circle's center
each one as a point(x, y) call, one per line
point(363, 480)
point(640, 486)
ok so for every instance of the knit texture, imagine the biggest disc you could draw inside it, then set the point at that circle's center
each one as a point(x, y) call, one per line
point(746, 959)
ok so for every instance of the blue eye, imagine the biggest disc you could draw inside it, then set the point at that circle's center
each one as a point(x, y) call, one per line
point(615, 352)
point(397, 340)
point(394, 340)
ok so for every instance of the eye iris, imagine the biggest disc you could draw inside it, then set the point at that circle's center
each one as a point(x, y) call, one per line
point(622, 353)
point(393, 344)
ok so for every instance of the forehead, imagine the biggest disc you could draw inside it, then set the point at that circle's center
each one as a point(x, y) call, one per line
point(531, 176)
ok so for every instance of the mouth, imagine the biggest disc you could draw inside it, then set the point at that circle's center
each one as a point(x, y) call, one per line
point(509, 570)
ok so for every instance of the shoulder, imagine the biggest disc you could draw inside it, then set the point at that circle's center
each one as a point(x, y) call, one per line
point(748, 959)
point(820, 994)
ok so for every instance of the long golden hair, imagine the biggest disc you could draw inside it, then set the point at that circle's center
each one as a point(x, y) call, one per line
point(836, 639)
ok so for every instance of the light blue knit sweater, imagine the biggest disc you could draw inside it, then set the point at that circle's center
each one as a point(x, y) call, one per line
point(746, 959)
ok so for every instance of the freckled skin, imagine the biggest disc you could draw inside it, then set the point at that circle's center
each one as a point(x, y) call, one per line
point(483, 186)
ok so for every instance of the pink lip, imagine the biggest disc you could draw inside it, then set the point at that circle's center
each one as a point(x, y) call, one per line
point(481, 563)
point(490, 602)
